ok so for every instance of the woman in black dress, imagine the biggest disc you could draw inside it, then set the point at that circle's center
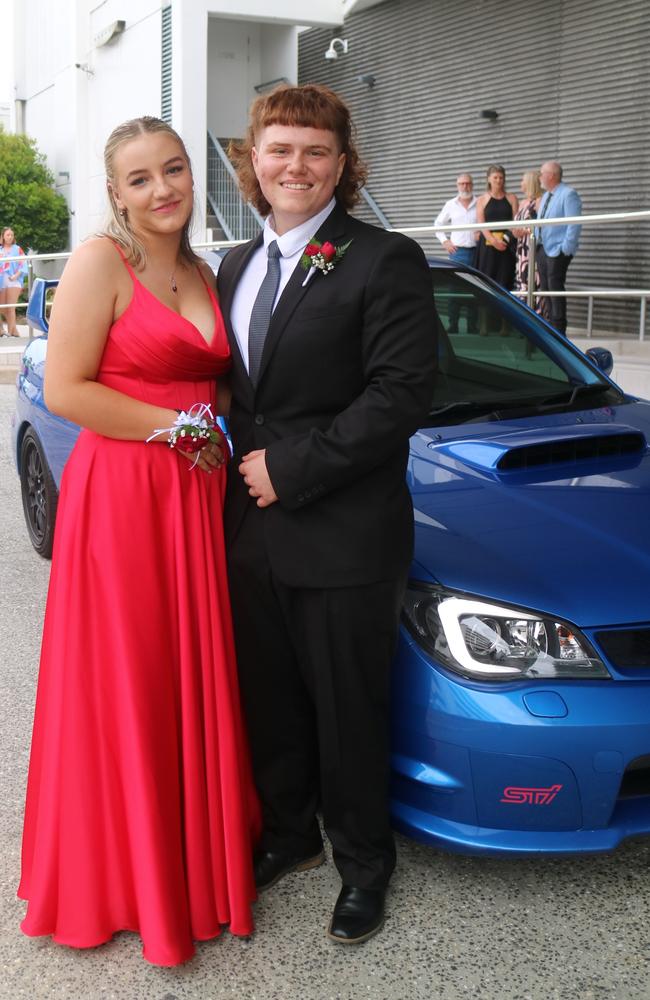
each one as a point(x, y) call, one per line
point(496, 250)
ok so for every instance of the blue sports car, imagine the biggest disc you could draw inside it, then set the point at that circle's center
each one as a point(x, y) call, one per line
point(522, 679)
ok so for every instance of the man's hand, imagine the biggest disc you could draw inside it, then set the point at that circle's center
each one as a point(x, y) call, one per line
point(450, 246)
point(256, 477)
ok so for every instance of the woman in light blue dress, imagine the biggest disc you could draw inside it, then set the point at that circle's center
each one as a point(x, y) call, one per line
point(13, 270)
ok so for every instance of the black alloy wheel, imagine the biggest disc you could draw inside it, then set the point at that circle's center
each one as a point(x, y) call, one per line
point(39, 493)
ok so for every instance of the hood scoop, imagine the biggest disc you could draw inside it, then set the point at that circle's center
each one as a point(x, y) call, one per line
point(521, 450)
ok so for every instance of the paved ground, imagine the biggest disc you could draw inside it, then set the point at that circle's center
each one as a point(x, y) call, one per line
point(540, 929)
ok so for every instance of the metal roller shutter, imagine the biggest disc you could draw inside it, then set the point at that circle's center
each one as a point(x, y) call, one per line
point(574, 87)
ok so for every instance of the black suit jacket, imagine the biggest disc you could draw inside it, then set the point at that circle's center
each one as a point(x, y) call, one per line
point(346, 377)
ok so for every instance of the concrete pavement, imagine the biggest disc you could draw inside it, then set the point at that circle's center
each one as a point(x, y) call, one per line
point(535, 929)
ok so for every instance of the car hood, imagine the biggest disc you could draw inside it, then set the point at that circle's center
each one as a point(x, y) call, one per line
point(569, 536)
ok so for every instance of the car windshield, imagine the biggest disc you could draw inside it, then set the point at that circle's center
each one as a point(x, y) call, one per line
point(497, 360)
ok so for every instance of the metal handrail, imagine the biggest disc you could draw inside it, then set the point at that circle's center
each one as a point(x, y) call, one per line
point(569, 220)
point(374, 207)
point(643, 294)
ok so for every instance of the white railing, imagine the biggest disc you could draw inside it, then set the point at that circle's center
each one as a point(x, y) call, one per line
point(643, 294)
point(579, 220)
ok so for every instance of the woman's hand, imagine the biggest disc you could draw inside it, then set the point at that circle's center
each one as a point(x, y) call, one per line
point(209, 458)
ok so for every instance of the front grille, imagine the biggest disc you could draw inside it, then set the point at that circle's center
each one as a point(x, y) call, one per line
point(636, 779)
point(626, 648)
point(573, 450)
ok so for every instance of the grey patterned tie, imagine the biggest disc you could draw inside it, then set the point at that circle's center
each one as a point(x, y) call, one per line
point(262, 310)
point(544, 210)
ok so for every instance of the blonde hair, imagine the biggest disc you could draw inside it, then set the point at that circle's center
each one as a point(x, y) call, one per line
point(530, 184)
point(117, 227)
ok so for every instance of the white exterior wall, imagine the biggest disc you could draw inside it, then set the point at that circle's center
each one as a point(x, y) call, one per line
point(70, 110)
point(126, 85)
point(7, 75)
point(221, 49)
point(241, 56)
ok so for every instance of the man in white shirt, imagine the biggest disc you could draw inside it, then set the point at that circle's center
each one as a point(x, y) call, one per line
point(460, 245)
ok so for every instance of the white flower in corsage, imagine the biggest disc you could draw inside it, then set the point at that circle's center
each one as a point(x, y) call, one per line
point(192, 430)
point(321, 257)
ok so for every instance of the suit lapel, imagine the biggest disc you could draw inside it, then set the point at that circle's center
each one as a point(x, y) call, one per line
point(227, 300)
point(332, 229)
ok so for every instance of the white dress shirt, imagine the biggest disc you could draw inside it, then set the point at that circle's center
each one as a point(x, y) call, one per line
point(291, 246)
point(455, 213)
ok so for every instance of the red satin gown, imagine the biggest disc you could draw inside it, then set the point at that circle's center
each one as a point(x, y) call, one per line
point(141, 812)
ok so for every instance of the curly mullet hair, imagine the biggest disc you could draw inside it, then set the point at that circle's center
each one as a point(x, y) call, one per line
point(308, 106)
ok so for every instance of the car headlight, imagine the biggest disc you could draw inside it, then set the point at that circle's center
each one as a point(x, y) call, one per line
point(486, 641)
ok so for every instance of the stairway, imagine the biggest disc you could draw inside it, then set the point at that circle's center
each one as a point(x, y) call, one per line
point(229, 215)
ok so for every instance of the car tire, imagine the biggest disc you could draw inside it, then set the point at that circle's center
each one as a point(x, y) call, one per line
point(39, 493)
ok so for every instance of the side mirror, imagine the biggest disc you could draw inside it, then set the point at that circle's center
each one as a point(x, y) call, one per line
point(37, 305)
point(602, 358)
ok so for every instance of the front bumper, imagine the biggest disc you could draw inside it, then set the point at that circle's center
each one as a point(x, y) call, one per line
point(476, 771)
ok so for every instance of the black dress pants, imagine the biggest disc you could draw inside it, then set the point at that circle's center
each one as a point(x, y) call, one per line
point(314, 670)
point(552, 277)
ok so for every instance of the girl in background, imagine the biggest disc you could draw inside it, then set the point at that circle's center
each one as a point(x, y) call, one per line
point(13, 270)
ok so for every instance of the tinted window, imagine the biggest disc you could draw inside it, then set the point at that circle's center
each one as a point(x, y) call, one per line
point(493, 351)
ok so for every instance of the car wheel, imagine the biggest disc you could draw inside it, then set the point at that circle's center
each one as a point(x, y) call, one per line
point(39, 493)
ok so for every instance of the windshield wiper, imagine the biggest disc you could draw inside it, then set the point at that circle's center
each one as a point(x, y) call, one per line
point(495, 408)
point(459, 404)
point(490, 408)
point(470, 407)
point(584, 388)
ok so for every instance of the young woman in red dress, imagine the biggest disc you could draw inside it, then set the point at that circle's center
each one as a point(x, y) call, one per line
point(141, 812)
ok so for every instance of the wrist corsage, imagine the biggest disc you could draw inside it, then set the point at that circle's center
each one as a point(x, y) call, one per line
point(192, 430)
point(321, 257)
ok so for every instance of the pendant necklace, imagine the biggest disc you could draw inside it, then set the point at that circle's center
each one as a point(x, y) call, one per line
point(172, 277)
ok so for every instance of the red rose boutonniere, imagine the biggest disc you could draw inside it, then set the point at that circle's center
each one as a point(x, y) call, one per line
point(321, 257)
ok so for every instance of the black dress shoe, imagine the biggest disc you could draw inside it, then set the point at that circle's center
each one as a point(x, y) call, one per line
point(270, 866)
point(358, 914)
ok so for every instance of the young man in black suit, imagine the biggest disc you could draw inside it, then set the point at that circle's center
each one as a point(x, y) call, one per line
point(332, 330)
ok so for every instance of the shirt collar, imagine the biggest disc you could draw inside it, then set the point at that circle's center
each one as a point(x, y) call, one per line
point(297, 239)
point(471, 204)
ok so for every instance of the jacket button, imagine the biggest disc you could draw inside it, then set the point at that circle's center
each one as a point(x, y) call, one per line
point(259, 419)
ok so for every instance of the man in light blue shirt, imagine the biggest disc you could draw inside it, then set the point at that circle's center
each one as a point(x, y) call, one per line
point(556, 244)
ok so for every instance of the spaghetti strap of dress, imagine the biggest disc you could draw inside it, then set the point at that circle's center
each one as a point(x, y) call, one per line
point(124, 258)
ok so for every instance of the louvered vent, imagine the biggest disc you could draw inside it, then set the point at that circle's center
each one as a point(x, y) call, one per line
point(627, 648)
point(636, 780)
point(572, 450)
point(166, 66)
